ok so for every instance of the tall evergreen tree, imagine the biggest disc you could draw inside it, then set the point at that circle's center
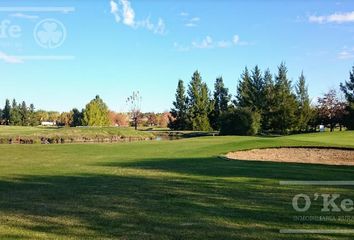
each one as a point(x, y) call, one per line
point(24, 113)
point(348, 89)
point(33, 121)
point(6, 112)
point(304, 111)
point(243, 96)
point(284, 116)
point(269, 102)
point(220, 102)
point(77, 117)
point(257, 90)
point(179, 119)
point(250, 91)
point(198, 104)
point(15, 115)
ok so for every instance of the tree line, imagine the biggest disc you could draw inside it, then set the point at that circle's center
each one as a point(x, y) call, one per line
point(95, 113)
point(264, 103)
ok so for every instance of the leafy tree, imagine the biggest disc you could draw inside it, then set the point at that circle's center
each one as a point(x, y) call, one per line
point(134, 102)
point(96, 113)
point(41, 116)
point(199, 105)
point(6, 112)
point(304, 111)
point(330, 109)
point(179, 112)
point(119, 119)
point(164, 119)
point(221, 102)
point(66, 119)
point(284, 117)
point(53, 116)
point(240, 121)
point(348, 89)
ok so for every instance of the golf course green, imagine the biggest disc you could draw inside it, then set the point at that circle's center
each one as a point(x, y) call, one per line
point(177, 189)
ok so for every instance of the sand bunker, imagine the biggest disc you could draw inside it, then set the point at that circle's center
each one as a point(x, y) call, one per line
point(327, 156)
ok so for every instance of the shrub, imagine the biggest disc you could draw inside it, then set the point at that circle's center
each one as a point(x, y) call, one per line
point(241, 121)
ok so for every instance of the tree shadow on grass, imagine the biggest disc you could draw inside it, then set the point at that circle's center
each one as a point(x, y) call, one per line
point(201, 203)
point(111, 207)
point(223, 168)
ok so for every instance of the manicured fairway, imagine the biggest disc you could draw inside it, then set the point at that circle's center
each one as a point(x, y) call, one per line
point(162, 190)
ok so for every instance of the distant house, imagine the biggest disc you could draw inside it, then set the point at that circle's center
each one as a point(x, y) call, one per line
point(48, 124)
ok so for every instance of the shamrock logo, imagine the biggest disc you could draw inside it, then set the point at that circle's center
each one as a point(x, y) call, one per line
point(49, 33)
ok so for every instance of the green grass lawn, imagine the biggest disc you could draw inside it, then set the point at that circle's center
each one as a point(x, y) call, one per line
point(162, 190)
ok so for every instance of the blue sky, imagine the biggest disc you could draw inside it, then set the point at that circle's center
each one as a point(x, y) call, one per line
point(112, 48)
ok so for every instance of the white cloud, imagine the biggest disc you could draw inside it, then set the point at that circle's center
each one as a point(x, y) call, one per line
point(9, 59)
point(333, 18)
point(128, 13)
point(184, 14)
point(224, 44)
point(236, 39)
point(180, 48)
point(124, 11)
point(158, 28)
point(207, 42)
point(115, 10)
point(24, 16)
point(192, 22)
point(346, 54)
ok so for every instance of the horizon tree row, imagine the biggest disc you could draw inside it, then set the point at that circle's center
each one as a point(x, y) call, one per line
point(96, 113)
point(263, 104)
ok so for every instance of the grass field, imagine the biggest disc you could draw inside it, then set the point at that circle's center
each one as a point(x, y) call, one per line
point(162, 190)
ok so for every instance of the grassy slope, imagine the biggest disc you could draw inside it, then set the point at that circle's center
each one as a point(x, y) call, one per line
point(159, 190)
point(67, 133)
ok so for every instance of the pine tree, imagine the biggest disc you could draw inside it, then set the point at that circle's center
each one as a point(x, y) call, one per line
point(7, 112)
point(220, 102)
point(269, 102)
point(15, 115)
point(243, 96)
point(348, 90)
point(77, 117)
point(179, 119)
point(285, 102)
point(304, 111)
point(32, 116)
point(24, 114)
point(257, 90)
point(198, 104)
